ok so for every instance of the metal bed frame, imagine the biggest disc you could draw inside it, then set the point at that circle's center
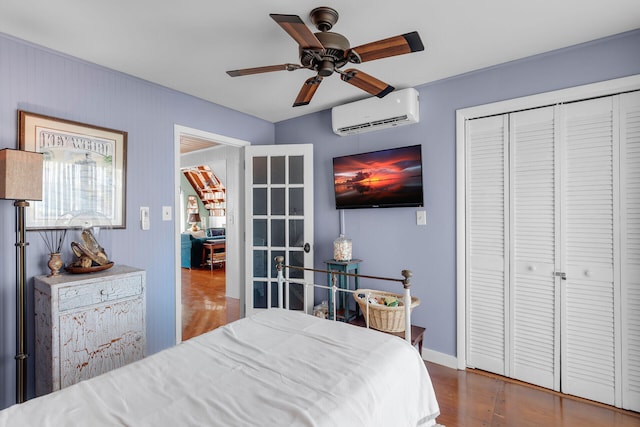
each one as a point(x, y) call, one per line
point(283, 289)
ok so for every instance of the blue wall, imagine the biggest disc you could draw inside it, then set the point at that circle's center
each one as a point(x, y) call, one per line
point(388, 240)
point(41, 81)
point(45, 82)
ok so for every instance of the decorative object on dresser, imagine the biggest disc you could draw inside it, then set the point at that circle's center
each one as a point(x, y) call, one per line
point(91, 256)
point(87, 325)
point(54, 239)
point(20, 180)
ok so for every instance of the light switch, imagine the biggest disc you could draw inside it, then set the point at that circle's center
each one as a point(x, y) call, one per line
point(166, 213)
point(421, 217)
point(144, 217)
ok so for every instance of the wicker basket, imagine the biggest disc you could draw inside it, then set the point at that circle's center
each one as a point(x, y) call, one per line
point(382, 317)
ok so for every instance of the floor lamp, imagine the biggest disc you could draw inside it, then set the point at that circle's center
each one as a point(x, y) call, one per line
point(20, 180)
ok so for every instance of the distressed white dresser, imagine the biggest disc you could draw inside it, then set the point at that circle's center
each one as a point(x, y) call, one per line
point(87, 324)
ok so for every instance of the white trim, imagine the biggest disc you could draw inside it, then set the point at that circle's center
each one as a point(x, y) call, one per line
point(593, 90)
point(221, 139)
point(461, 226)
point(178, 132)
point(440, 359)
point(605, 88)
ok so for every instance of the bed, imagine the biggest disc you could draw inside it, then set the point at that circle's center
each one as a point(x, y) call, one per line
point(275, 368)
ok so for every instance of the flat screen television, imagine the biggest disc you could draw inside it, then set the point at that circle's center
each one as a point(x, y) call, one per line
point(379, 179)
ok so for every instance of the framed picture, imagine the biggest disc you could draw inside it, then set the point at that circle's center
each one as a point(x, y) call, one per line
point(84, 173)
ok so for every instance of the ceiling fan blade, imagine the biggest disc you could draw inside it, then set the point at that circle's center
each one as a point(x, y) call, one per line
point(307, 91)
point(366, 82)
point(398, 45)
point(267, 69)
point(297, 29)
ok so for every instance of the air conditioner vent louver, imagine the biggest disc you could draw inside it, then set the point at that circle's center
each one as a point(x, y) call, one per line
point(397, 108)
point(392, 121)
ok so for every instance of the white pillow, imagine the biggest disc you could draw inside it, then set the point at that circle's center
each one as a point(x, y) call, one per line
point(198, 234)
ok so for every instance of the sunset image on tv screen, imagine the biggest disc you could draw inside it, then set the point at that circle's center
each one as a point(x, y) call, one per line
point(379, 179)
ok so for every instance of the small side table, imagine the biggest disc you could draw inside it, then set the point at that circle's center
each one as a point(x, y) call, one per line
point(209, 254)
point(343, 299)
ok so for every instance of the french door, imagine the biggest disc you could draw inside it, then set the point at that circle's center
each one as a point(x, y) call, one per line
point(279, 222)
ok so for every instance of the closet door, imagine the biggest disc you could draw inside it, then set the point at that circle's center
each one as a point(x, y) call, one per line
point(534, 303)
point(553, 247)
point(589, 250)
point(486, 245)
point(630, 248)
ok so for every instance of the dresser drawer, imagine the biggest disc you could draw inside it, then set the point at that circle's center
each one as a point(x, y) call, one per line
point(78, 296)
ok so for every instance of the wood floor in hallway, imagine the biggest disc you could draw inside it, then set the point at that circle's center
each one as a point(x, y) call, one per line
point(204, 304)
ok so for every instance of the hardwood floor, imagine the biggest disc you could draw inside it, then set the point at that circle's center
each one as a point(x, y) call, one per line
point(467, 398)
point(475, 398)
point(204, 305)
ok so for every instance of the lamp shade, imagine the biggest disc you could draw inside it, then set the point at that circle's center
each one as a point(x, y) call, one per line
point(20, 175)
point(194, 217)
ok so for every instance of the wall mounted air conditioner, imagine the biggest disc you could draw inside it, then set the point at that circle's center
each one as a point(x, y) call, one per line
point(401, 107)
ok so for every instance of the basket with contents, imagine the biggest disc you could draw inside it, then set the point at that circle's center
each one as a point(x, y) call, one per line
point(385, 309)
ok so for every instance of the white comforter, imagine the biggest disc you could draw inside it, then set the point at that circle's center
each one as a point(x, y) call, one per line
point(277, 368)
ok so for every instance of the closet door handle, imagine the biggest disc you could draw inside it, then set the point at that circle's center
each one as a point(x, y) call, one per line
point(560, 274)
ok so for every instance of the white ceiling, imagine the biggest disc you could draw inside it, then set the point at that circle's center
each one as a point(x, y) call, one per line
point(188, 45)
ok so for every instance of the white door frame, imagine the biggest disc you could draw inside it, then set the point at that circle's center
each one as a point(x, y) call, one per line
point(237, 216)
point(605, 88)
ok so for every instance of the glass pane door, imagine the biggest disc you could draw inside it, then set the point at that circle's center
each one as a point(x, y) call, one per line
point(279, 192)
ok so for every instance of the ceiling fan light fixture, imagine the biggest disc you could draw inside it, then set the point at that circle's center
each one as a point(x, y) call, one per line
point(324, 18)
point(325, 67)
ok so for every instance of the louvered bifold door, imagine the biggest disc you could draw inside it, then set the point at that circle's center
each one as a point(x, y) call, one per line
point(486, 249)
point(630, 248)
point(534, 302)
point(589, 250)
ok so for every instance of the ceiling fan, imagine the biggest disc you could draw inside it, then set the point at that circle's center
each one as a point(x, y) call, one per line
point(327, 52)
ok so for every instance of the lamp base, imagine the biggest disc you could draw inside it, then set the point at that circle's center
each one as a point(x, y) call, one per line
point(21, 303)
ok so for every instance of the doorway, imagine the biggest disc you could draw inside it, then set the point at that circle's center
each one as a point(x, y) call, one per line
point(231, 150)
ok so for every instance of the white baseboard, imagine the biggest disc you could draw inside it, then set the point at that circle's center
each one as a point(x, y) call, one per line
point(440, 358)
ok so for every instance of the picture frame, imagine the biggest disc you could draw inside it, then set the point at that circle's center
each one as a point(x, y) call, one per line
point(84, 173)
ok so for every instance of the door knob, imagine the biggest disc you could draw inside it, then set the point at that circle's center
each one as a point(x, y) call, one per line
point(307, 247)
